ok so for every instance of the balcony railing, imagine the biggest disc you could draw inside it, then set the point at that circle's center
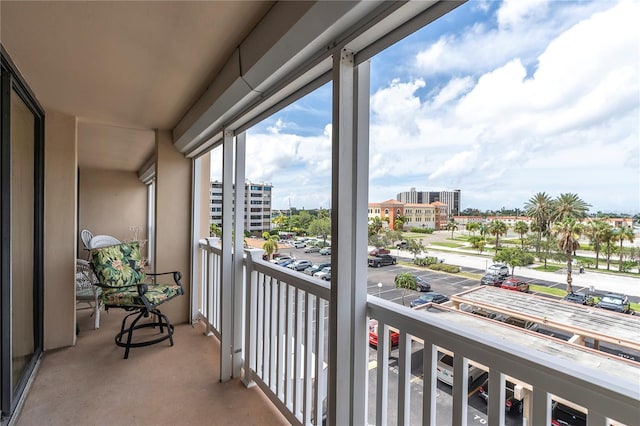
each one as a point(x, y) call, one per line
point(285, 354)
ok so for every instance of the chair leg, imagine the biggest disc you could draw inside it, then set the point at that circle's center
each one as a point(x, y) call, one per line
point(158, 319)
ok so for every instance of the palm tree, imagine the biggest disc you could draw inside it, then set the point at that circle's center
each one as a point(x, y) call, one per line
point(405, 281)
point(497, 228)
point(621, 234)
point(608, 237)
point(538, 208)
point(271, 245)
point(472, 227)
point(568, 233)
point(452, 226)
point(399, 222)
point(521, 228)
point(375, 225)
point(596, 231)
point(568, 206)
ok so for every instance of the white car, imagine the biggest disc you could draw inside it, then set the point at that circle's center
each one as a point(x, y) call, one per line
point(498, 269)
point(312, 249)
point(444, 370)
point(299, 244)
point(323, 273)
point(299, 265)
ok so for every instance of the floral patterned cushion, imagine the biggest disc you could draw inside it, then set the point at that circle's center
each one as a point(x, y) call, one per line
point(119, 265)
point(128, 296)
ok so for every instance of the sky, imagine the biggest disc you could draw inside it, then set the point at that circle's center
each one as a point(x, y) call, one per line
point(501, 100)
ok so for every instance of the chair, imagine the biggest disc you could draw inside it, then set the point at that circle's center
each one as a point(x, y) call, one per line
point(86, 236)
point(120, 272)
point(102, 241)
point(87, 291)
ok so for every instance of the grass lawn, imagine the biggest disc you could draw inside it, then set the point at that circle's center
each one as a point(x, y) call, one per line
point(549, 268)
point(445, 244)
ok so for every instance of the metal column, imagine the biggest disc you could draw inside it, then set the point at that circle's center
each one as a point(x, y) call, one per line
point(226, 269)
point(238, 252)
point(347, 312)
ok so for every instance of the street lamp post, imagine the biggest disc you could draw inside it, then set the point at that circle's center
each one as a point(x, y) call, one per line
point(379, 288)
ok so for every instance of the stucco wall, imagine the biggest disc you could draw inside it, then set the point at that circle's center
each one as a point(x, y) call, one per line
point(173, 220)
point(110, 202)
point(59, 229)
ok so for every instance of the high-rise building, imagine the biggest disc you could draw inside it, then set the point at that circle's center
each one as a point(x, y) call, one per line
point(257, 206)
point(450, 198)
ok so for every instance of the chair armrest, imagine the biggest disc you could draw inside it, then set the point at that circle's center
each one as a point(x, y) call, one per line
point(177, 276)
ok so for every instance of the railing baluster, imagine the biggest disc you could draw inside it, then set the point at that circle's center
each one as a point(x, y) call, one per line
point(429, 358)
point(308, 358)
point(299, 367)
point(289, 372)
point(282, 339)
point(382, 380)
point(320, 384)
point(274, 338)
point(260, 326)
point(459, 390)
point(404, 379)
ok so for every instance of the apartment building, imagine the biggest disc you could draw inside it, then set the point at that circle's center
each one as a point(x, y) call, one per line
point(450, 198)
point(257, 206)
point(416, 215)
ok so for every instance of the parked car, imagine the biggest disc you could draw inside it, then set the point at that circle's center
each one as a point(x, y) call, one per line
point(402, 244)
point(583, 299)
point(444, 370)
point(325, 251)
point(615, 302)
point(373, 334)
point(378, 251)
point(382, 260)
point(429, 298)
point(280, 258)
point(299, 244)
point(326, 277)
point(312, 249)
point(512, 404)
point(515, 284)
point(492, 279)
point(323, 272)
point(498, 269)
point(284, 261)
point(299, 265)
point(422, 284)
point(316, 267)
point(563, 415)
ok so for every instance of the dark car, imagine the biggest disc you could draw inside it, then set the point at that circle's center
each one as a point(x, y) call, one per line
point(492, 279)
point(512, 404)
point(315, 268)
point(563, 415)
point(615, 302)
point(421, 283)
point(402, 245)
point(429, 298)
point(381, 260)
point(515, 284)
point(379, 251)
point(583, 299)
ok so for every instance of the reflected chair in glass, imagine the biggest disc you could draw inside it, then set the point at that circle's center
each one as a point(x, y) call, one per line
point(120, 272)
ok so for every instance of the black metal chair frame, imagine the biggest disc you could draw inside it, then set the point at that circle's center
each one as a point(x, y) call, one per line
point(125, 336)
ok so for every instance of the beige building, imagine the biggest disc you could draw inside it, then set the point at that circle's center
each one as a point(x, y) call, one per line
point(433, 215)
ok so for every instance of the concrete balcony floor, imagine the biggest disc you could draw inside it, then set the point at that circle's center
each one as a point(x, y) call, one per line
point(91, 384)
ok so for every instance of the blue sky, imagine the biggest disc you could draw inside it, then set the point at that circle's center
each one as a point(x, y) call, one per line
point(498, 99)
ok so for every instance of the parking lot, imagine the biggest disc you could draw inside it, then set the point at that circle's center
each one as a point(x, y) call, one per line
point(380, 282)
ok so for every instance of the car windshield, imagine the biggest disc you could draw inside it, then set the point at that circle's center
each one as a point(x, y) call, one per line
point(613, 300)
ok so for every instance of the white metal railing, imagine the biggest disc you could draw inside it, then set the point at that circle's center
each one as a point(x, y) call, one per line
point(285, 339)
point(285, 354)
point(586, 379)
point(207, 289)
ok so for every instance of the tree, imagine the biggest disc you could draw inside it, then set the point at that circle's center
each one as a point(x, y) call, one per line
point(281, 221)
point(478, 243)
point(568, 206)
point(538, 208)
point(513, 256)
point(452, 226)
point(415, 247)
point(271, 245)
point(521, 228)
point(497, 228)
point(214, 230)
point(399, 222)
point(375, 225)
point(405, 281)
point(608, 238)
point(597, 231)
point(320, 227)
point(623, 234)
point(472, 227)
point(568, 233)
point(484, 228)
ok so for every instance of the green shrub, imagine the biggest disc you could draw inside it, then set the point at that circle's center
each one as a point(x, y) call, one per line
point(452, 269)
point(422, 230)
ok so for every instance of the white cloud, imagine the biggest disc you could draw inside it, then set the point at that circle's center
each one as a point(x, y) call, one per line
point(512, 13)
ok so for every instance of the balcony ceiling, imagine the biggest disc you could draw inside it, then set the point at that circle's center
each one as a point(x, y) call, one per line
point(123, 68)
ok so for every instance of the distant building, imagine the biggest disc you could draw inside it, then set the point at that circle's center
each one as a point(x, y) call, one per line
point(257, 206)
point(450, 198)
point(433, 215)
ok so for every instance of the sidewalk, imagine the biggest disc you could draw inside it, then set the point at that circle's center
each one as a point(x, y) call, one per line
point(601, 282)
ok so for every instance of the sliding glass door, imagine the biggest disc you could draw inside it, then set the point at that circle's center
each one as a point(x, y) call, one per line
point(21, 208)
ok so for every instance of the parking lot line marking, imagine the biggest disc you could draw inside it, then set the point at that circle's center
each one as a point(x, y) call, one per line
point(373, 364)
